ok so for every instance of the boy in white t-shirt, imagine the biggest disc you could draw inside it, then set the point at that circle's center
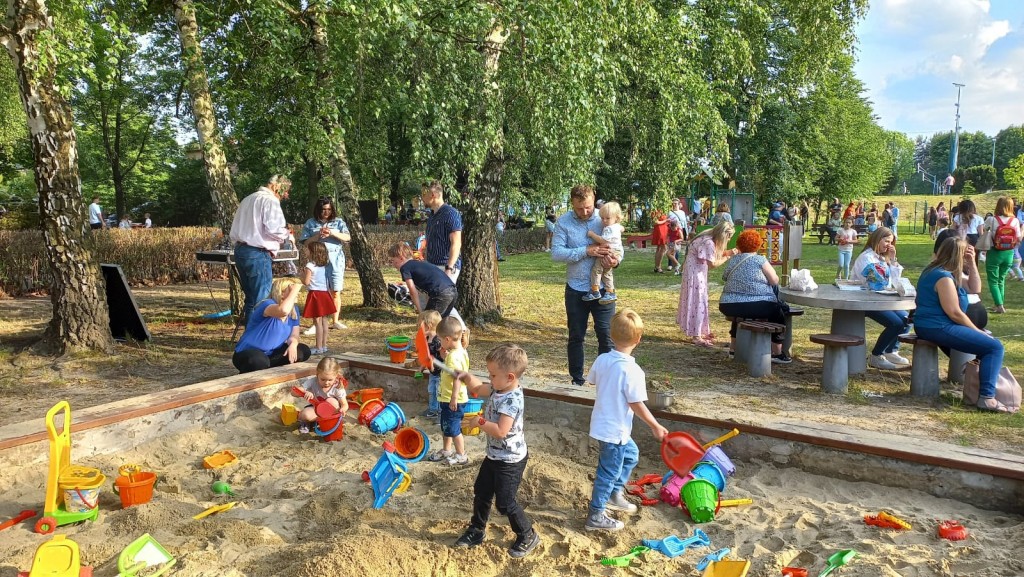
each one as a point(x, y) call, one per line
point(621, 391)
point(611, 236)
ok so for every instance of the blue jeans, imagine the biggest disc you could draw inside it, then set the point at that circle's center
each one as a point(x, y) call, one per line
point(988, 350)
point(894, 324)
point(844, 262)
point(451, 421)
point(254, 274)
point(578, 313)
point(433, 384)
point(614, 465)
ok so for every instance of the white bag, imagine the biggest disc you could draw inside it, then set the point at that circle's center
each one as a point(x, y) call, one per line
point(800, 280)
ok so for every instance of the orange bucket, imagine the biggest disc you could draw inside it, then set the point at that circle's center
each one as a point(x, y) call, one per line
point(369, 410)
point(398, 347)
point(411, 444)
point(135, 488)
point(329, 425)
point(359, 396)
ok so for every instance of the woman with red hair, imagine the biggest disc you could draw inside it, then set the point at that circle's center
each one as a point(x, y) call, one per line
point(750, 292)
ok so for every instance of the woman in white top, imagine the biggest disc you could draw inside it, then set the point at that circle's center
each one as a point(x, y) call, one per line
point(880, 250)
point(1005, 233)
point(968, 222)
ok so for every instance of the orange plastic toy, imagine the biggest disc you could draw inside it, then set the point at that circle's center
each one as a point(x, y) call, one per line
point(637, 488)
point(952, 530)
point(134, 486)
point(219, 459)
point(887, 521)
point(681, 452)
point(369, 410)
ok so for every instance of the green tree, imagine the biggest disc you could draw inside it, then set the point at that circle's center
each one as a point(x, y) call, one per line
point(1014, 173)
point(1009, 145)
point(982, 177)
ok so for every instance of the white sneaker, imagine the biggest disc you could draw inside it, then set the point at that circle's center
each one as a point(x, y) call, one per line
point(310, 331)
point(981, 256)
point(339, 325)
point(618, 502)
point(880, 362)
point(896, 359)
point(458, 459)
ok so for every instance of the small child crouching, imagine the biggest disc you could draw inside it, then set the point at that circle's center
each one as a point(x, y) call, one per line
point(429, 320)
point(501, 470)
point(621, 392)
point(327, 386)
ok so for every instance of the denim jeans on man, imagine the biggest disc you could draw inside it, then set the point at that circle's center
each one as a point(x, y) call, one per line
point(433, 384)
point(988, 350)
point(498, 482)
point(255, 274)
point(894, 324)
point(614, 465)
point(579, 312)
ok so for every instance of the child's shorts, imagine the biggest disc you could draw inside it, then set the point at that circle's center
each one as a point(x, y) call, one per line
point(451, 421)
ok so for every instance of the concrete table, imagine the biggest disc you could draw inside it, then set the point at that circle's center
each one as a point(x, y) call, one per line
point(848, 308)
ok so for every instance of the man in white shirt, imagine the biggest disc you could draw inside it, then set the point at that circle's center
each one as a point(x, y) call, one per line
point(148, 222)
point(96, 219)
point(258, 229)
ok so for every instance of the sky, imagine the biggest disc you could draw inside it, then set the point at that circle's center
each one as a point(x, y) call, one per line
point(910, 52)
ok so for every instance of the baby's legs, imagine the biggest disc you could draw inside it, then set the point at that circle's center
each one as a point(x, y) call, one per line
point(460, 444)
point(608, 278)
point(595, 276)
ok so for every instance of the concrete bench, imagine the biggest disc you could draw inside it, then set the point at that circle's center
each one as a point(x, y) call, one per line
point(835, 366)
point(787, 337)
point(758, 354)
point(924, 372)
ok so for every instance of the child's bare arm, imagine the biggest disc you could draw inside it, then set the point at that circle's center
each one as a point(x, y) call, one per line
point(596, 238)
point(473, 385)
point(497, 430)
point(640, 408)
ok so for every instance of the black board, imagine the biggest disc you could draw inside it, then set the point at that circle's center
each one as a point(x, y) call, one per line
point(125, 318)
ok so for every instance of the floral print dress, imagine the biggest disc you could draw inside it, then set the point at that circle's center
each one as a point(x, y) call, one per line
point(693, 316)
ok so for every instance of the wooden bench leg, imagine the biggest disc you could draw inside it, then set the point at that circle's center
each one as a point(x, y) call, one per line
point(759, 355)
point(957, 360)
point(742, 346)
point(835, 376)
point(924, 374)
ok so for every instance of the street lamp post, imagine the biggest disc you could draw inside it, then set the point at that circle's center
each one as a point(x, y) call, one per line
point(953, 150)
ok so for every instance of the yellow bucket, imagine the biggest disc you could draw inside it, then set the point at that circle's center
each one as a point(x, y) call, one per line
point(81, 488)
point(289, 414)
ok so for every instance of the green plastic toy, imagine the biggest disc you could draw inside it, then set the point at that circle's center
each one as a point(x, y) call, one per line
point(222, 488)
point(623, 561)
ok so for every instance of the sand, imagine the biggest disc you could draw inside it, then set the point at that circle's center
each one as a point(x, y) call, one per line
point(304, 511)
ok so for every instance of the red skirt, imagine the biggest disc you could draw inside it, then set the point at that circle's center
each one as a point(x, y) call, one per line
point(318, 304)
point(660, 234)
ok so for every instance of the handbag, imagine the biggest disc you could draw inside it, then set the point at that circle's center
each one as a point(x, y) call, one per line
point(985, 240)
point(1008, 391)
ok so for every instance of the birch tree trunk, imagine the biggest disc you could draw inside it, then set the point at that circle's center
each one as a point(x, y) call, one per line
point(81, 320)
point(218, 176)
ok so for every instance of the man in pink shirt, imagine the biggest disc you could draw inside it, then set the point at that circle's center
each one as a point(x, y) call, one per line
point(258, 229)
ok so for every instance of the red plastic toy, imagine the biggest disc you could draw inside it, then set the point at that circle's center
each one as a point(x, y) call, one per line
point(887, 521)
point(794, 572)
point(952, 530)
point(23, 516)
point(637, 488)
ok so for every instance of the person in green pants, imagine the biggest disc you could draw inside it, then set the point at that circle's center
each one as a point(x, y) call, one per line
point(1004, 230)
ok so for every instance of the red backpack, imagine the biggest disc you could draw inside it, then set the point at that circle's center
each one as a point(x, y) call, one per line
point(1005, 235)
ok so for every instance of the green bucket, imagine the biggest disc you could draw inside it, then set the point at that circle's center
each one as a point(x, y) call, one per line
point(701, 498)
point(398, 343)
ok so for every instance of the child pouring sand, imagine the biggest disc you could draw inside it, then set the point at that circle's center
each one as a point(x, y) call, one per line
point(327, 386)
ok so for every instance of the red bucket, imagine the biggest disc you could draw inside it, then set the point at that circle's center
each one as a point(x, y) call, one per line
point(329, 425)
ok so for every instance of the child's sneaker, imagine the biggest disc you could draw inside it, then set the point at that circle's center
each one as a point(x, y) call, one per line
point(310, 331)
point(981, 256)
point(430, 414)
point(618, 502)
point(608, 298)
point(471, 538)
point(457, 459)
point(524, 544)
point(439, 455)
point(591, 296)
point(304, 429)
point(602, 522)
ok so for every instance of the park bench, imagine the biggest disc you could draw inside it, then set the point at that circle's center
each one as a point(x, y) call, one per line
point(821, 230)
point(641, 239)
point(835, 365)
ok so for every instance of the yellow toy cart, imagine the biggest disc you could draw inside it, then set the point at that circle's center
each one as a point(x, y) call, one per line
point(72, 492)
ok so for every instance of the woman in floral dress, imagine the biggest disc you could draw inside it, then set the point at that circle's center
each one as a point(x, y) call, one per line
point(707, 251)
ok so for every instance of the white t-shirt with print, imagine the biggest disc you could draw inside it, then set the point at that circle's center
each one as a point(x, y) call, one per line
point(844, 234)
point(613, 234)
point(95, 213)
point(512, 448)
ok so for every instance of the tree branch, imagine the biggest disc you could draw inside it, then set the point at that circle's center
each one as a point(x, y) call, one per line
point(142, 147)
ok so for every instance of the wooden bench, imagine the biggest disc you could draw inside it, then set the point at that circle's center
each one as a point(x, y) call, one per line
point(822, 230)
point(642, 239)
point(924, 371)
point(835, 365)
point(758, 353)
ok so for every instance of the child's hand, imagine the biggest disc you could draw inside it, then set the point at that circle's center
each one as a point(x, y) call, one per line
point(308, 396)
point(454, 404)
point(659, 432)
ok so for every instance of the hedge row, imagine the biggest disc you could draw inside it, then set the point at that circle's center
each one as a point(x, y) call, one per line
point(167, 255)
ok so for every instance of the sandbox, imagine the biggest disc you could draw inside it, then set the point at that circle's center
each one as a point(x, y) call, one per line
point(303, 509)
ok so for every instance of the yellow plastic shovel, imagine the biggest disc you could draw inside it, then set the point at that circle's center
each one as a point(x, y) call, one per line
point(216, 509)
point(721, 439)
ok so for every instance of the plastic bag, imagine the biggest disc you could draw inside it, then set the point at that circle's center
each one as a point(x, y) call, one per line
point(800, 280)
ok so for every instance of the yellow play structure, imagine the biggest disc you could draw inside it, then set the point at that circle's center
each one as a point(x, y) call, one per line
point(72, 492)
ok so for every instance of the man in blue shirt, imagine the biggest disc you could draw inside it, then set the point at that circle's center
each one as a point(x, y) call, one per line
point(571, 246)
point(775, 217)
point(444, 231)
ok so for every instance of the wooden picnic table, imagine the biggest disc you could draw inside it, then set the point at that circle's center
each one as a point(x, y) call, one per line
point(848, 308)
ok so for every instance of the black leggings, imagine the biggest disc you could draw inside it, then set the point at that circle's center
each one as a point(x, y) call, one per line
point(770, 311)
point(251, 360)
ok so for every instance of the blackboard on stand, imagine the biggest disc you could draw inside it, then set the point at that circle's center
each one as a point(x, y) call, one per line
point(125, 318)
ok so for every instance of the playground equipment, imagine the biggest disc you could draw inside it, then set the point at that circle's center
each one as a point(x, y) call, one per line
point(411, 444)
point(23, 516)
point(329, 422)
point(952, 530)
point(144, 553)
point(701, 499)
point(711, 558)
point(709, 471)
point(215, 509)
point(134, 486)
point(637, 488)
point(222, 488)
point(389, 476)
point(357, 398)
point(623, 560)
point(82, 483)
point(289, 414)
point(673, 546)
point(681, 452)
point(727, 568)
point(58, 557)
point(369, 410)
point(389, 418)
point(886, 520)
point(837, 560)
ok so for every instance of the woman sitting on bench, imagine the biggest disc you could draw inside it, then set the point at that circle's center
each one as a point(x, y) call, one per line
point(750, 292)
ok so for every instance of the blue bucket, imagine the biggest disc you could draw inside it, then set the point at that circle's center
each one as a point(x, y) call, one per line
point(474, 406)
point(709, 471)
point(389, 419)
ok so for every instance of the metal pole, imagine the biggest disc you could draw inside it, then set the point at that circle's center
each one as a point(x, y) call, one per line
point(993, 152)
point(953, 150)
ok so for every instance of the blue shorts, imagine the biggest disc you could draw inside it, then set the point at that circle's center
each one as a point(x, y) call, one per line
point(451, 421)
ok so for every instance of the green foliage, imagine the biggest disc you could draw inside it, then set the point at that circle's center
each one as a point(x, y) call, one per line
point(982, 178)
point(1009, 145)
point(1014, 173)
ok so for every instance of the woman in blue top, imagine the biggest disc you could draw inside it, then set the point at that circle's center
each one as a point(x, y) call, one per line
point(941, 314)
point(271, 337)
point(327, 227)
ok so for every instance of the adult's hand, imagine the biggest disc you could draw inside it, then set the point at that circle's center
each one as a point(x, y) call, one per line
point(598, 250)
point(293, 351)
point(609, 261)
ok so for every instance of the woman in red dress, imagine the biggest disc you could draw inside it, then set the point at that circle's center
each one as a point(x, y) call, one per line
point(659, 238)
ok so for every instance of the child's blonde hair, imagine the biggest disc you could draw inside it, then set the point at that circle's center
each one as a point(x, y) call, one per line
point(449, 327)
point(510, 358)
point(317, 253)
point(627, 327)
point(278, 288)
point(328, 366)
point(429, 319)
point(611, 210)
point(400, 250)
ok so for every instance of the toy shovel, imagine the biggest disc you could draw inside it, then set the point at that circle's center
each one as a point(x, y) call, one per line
point(837, 560)
point(681, 452)
point(722, 439)
point(426, 361)
point(216, 509)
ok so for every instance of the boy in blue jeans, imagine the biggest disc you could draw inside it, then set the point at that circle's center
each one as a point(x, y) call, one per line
point(429, 320)
point(621, 392)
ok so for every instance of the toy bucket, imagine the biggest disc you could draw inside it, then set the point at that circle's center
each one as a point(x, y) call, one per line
point(289, 414)
point(398, 346)
point(474, 406)
point(389, 419)
point(369, 410)
point(411, 444)
point(471, 424)
point(701, 498)
point(358, 397)
point(81, 488)
point(329, 425)
point(135, 488)
point(717, 456)
point(671, 486)
point(709, 471)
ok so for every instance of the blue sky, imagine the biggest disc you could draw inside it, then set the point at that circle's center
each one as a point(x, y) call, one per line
point(910, 52)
